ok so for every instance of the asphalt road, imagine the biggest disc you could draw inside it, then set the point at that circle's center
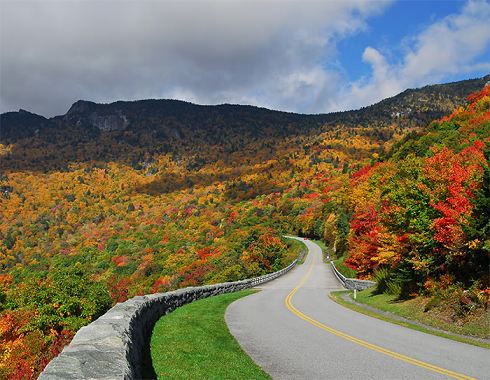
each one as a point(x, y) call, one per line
point(293, 330)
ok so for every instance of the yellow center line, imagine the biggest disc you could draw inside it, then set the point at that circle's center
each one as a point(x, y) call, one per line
point(360, 342)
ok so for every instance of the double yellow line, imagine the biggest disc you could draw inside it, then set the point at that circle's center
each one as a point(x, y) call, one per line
point(360, 342)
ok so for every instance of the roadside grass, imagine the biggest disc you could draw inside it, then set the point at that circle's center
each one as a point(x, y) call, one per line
point(414, 310)
point(321, 244)
point(295, 252)
point(323, 247)
point(442, 317)
point(194, 342)
point(344, 269)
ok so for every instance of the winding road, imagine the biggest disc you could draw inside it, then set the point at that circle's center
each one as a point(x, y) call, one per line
point(293, 330)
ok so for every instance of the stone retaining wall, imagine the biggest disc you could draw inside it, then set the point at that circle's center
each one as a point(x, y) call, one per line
point(302, 254)
point(351, 283)
point(115, 345)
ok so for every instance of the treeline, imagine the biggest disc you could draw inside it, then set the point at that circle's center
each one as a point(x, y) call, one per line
point(160, 127)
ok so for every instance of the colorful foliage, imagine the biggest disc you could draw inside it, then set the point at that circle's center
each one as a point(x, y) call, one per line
point(429, 221)
point(77, 237)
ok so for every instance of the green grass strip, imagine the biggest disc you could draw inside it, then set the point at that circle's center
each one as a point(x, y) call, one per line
point(321, 244)
point(301, 245)
point(335, 296)
point(344, 269)
point(194, 342)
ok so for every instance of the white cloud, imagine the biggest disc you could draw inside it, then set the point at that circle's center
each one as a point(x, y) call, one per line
point(56, 52)
point(449, 46)
point(276, 54)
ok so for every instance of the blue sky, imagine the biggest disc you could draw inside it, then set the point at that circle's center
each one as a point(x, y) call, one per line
point(300, 56)
point(401, 20)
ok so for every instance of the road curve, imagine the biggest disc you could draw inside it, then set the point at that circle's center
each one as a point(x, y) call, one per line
point(293, 330)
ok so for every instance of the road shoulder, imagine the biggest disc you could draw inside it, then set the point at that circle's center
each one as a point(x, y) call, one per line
point(387, 316)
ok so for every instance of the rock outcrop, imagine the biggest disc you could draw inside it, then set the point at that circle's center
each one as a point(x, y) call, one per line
point(98, 116)
point(108, 123)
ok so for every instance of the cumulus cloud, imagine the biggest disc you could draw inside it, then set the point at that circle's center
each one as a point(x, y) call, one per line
point(268, 53)
point(447, 47)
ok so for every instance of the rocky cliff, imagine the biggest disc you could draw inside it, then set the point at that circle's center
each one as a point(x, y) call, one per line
point(88, 112)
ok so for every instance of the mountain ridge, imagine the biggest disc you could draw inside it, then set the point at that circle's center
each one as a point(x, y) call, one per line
point(459, 89)
point(130, 130)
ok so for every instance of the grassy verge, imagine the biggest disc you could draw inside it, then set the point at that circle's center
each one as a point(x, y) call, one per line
point(409, 309)
point(295, 250)
point(193, 342)
point(344, 269)
point(324, 248)
point(321, 244)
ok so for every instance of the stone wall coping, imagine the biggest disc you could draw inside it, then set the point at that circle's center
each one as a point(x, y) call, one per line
point(351, 283)
point(113, 346)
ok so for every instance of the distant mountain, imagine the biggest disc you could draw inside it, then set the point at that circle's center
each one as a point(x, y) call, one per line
point(19, 125)
point(126, 130)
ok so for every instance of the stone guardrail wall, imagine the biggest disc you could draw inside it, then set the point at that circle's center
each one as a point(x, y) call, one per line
point(351, 283)
point(116, 344)
point(302, 255)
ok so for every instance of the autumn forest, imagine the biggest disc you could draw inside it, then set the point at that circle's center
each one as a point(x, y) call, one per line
point(115, 200)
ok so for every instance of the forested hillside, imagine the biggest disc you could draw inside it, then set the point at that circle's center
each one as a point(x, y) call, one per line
point(111, 201)
point(134, 132)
